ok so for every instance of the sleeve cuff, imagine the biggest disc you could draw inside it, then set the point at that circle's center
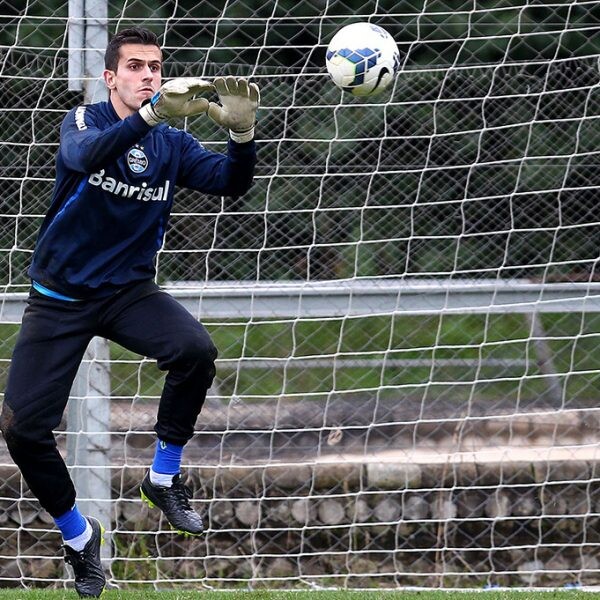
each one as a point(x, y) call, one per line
point(242, 137)
point(138, 123)
point(148, 115)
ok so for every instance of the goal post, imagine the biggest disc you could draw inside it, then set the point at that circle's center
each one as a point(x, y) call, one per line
point(406, 303)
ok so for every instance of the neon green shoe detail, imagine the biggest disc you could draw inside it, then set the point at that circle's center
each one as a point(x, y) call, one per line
point(174, 502)
point(146, 499)
point(186, 533)
point(87, 563)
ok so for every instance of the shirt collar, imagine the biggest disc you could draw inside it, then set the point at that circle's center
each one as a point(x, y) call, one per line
point(112, 112)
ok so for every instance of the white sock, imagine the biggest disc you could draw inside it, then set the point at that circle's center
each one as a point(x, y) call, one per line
point(162, 479)
point(78, 543)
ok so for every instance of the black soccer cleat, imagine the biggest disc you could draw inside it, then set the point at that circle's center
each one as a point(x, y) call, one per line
point(175, 504)
point(87, 566)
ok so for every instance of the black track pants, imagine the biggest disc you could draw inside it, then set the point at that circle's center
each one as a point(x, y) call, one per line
point(53, 338)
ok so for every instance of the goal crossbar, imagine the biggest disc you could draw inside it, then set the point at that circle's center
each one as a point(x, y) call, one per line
point(362, 298)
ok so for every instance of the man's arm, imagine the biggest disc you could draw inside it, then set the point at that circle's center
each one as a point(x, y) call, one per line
point(230, 174)
point(86, 148)
point(213, 173)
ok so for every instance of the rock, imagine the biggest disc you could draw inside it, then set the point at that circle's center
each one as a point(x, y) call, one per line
point(393, 476)
point(531, 571)
point(331, 512)
point(247, 512)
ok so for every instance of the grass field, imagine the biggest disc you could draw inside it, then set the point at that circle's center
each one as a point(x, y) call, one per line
point(572, 339)
point(301, 595)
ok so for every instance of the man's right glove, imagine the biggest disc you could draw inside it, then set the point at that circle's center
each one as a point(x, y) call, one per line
point(175, 99)
point(239, 103)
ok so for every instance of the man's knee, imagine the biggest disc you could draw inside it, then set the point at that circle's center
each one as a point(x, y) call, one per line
point(16, 437)
point(197, 349)
point(193, 363)
point(195, 354)
point(23, 433)
point(7, 418)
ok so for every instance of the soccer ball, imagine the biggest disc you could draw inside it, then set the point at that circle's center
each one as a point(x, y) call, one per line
point(362, 59)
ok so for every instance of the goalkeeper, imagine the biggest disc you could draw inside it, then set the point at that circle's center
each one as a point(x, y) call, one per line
point(93, 274)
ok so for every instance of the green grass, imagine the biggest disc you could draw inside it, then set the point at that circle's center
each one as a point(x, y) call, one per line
point(572, 338)
point(299, 595)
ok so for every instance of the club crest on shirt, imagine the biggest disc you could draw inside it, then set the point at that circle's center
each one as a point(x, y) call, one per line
point(137, 160)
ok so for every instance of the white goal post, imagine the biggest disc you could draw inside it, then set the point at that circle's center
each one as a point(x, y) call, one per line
point(406, 303)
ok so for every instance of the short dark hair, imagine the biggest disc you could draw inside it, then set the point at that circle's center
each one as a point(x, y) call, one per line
point(131, 35)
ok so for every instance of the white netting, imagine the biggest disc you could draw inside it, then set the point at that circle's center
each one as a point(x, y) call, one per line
point(414, 402)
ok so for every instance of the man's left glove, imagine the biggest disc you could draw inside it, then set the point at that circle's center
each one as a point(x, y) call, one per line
point(239, 103)
point(176, 99)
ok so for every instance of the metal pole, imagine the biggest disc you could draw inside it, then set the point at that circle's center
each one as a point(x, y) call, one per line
point(545, 359)
point(88, 434)
point(96, 40)
point(88, 413)
point(76, 41)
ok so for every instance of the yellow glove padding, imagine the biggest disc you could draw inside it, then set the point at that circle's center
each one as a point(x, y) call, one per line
point(237, 111)
point(176, 99)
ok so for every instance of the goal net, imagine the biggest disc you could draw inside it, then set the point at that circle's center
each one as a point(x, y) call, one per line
point(405, 303)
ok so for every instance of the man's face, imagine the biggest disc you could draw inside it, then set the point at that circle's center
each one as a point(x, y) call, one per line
point(137, 77)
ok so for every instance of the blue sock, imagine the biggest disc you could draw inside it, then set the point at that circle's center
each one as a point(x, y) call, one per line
point(71, 524)
point(167, 458)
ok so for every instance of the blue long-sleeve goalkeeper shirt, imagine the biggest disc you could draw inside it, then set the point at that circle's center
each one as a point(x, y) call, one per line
point(115, 180)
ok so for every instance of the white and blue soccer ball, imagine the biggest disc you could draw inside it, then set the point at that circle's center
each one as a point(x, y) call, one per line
point(362, 59)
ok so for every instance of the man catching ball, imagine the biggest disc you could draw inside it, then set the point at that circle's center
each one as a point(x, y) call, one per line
point(93, 270)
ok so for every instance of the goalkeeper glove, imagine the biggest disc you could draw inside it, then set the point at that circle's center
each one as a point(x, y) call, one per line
point(175, 99)
point(239, 103)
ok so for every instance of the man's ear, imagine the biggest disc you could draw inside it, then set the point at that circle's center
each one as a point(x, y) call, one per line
point(109, 79)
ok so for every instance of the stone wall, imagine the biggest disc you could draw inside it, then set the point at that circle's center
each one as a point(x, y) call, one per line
point(350, 524)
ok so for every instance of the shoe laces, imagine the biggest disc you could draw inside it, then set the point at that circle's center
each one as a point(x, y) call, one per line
point(183, 494)
point(75, 557)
